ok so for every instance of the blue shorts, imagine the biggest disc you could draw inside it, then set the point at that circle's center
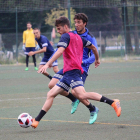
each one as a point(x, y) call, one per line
point(84, 77)
point(59, 75)
point(45, 60)
point(28, 49)
point(71, 79)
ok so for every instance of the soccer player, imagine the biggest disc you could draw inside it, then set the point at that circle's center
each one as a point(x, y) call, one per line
point(47, 49)
point(81, 20)
point(71, 46)
point(29, 44)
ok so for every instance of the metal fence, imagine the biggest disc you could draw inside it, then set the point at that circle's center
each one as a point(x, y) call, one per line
point(114, 23)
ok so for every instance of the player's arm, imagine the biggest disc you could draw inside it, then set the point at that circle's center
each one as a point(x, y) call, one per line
point(62, 45)
point(24, 38)
point(97, 61)
point(89, 45)
point(57, 54)
point(91, 58)
point(44, 49)
point(94, 50)
point(39, 51)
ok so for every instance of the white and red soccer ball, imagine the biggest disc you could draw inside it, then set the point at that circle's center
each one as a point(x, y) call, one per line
point(25, 120)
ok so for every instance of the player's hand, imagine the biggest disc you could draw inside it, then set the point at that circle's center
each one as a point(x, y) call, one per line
point(51, 43)
point(43, 69)
point(37, 47)
point(31, 53)
point(97, 63)
point(23, 47)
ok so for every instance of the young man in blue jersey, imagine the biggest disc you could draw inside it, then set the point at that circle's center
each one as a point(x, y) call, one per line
point(71, 46)
point(47, 49)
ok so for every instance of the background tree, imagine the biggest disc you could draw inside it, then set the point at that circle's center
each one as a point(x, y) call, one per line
point(56, 13)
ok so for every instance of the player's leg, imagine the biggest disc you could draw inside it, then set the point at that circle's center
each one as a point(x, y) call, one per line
point(56, 78)
point(91, 107)
point(42, 63)
point(54, 81)
point(34, 58)
point(55, 66)
point(81, 94)
point(47, 105)
point(45, 73)
point(27, 61)
point(27, 50)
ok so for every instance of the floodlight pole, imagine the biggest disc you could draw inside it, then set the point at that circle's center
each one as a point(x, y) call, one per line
point(69, 12)
point(16, 35)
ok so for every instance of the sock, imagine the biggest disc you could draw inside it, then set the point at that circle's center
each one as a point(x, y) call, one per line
point(34, 60)
point(49, 76)
point(27, 59)
point(40, 115)
point(106, 100)
point(91, 107)
point(71, 97)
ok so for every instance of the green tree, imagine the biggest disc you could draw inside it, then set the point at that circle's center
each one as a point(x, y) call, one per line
point(56, 13)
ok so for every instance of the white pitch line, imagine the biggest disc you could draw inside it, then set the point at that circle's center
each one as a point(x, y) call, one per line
point(25, 99)
point(122, 93)
point(18, 99)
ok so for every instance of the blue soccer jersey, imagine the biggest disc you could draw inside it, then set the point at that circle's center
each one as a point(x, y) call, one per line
point(88, 56)
point(44, 42)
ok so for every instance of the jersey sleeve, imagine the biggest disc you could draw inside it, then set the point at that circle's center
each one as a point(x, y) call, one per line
point(91, 57)
point(64, 41)
point(45, 42)
point(86, 43)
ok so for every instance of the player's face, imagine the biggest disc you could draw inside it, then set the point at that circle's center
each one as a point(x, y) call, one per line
point(29, 26)
point(37, 34)
point(61, 29)
point(80, 26)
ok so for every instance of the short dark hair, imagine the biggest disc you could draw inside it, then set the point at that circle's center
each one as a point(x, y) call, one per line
point(62, 21)
point(28, 22)
point(36, 29)
point(81, 16)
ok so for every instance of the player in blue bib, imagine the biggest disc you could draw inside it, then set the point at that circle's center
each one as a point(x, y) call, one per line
point(47, 49)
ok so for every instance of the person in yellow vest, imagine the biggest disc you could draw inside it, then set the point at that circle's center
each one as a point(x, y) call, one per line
point(29, 44)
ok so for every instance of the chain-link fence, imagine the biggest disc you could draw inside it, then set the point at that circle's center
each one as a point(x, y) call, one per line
point(114, 23)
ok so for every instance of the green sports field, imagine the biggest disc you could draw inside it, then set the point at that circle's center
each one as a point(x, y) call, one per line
point(25, 91)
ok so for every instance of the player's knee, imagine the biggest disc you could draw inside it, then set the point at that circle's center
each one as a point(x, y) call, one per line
point(55, 69)
point(72, 91)
point(50, 85)
point(49, 95)
point(81, 96)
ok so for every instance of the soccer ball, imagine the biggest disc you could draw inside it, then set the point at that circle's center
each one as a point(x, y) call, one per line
point(24, 120)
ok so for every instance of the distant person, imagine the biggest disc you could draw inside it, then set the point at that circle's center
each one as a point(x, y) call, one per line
point(47, 49)
point(29, 44)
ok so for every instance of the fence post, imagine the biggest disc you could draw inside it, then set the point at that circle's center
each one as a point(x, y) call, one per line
point(100, 45)
point(69, 12)
point(125, 32)
point(16, 35)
